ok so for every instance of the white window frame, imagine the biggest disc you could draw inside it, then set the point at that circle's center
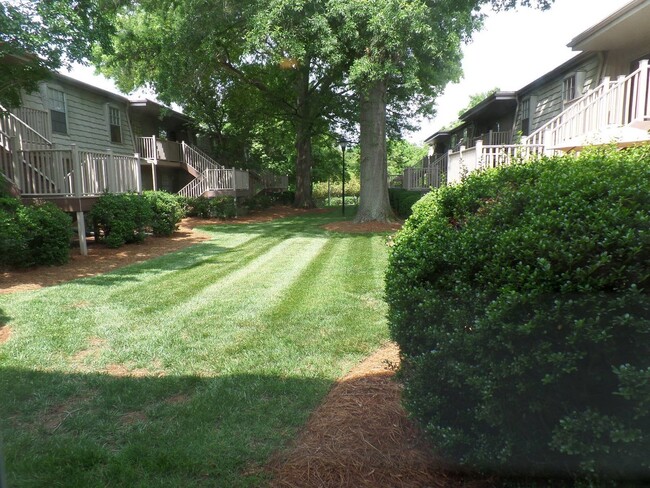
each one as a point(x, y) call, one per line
point(50, 106)
point(109, 119)
point(572, 81)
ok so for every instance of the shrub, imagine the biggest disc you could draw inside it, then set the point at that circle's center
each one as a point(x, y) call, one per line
point(520, 301)
point(121, 218)
point(402, 200)
point(167, 211)
point(258, 202)
point(47, 234)
point(198, 207)
point(13, 242)
point(286, 197)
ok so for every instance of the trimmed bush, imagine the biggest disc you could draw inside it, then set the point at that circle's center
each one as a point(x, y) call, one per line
point(403, 200)
point(521, 303)
point(48, 234)
point(33, 235)
point(167, 212)
point(121, 219)
point(286, 197)
point(206, 208)
point(13, 242)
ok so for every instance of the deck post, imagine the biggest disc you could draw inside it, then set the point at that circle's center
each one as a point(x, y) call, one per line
point(138, 172)
point(81, 230)
point(154, 153)
point(234, 188)
point(77, 179)
point(642, 90)
point(547, 136)
point(112, 172)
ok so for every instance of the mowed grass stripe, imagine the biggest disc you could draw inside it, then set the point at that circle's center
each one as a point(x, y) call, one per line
point(200, 391)
point(196, 336)
point(218, 262)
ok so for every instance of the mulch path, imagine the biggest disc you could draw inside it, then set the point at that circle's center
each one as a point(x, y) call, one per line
point(359, 437)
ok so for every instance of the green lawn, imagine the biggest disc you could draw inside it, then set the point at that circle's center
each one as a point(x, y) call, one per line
point(190, 369)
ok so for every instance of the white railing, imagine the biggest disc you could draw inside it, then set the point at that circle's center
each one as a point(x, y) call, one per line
point(220, 179)
point(26, 136)
point(44, 172)
point(431, 173)
point(466, 161)
point(197, 159)
point(73, 173)
point(37, 120)
point(611, 104)
point(108, 172)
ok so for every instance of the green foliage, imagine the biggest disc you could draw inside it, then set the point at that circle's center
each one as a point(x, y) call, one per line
point(37, 36)
point(33, 235)
point(401, 154)
point(259, 202)
point(352, 188)
point(402, 201)
point(48, 233)
point(13, 242)
point(121, 218)
point(520, 301)
point(167, 212)
point(206, 208)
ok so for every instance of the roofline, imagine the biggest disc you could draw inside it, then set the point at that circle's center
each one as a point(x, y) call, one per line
point(500, 95)
point(143, 102)
point(577, 59)
point(626, 9)
point(88, 86)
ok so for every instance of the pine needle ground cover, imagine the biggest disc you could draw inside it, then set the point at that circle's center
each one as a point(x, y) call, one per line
point(191, 369)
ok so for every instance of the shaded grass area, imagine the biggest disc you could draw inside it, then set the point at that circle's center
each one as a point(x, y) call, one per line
point(190, 369)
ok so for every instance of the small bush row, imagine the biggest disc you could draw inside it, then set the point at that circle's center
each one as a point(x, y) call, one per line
point(402, 201)
point(33, 235)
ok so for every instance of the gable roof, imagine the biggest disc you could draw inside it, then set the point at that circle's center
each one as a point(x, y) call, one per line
point(628, 26)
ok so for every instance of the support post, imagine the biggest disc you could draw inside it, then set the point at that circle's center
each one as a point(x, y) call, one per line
point(154, 153)
point(76, 172)
point(642, 90)
point(480, 162)
point(547, 143)
point(234, 188)
point(138, 172)
point(81, 229)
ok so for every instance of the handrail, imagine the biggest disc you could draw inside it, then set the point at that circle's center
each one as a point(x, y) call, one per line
point(30, 129)
point(612, 102)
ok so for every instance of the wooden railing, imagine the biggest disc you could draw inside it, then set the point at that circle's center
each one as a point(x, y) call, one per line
point(220, 179)
point(430, 174)
point(197, 159)
point(612, 104)
point(26, 136)
point(466, 161)
point(73, 173)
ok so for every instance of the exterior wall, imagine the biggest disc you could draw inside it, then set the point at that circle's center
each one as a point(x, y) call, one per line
point(546, 99)
point(619, 63)
point(87, 117)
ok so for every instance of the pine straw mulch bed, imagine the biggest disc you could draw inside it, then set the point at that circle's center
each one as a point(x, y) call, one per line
point(359, 437)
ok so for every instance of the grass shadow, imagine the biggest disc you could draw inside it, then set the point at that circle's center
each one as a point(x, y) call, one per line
point(96, 430)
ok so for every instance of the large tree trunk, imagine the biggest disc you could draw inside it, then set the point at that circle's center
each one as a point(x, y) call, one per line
point(373, 199)
point(303, 168)
point(303, 141)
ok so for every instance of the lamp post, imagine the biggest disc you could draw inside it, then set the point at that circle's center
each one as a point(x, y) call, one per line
point(343, 143)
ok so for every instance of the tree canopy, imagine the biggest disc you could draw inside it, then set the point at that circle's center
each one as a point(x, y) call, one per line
point(39, 36)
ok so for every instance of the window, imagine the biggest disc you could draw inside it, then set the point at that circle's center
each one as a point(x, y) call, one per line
point(56, 102)
point(569, 89)
point(115, 125)
point(525, 116)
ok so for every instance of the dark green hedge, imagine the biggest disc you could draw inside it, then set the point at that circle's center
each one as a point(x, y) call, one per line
point(167, 211)
point(33, 235)
point(521, 303)
point(121, 218)
point(402, 200)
